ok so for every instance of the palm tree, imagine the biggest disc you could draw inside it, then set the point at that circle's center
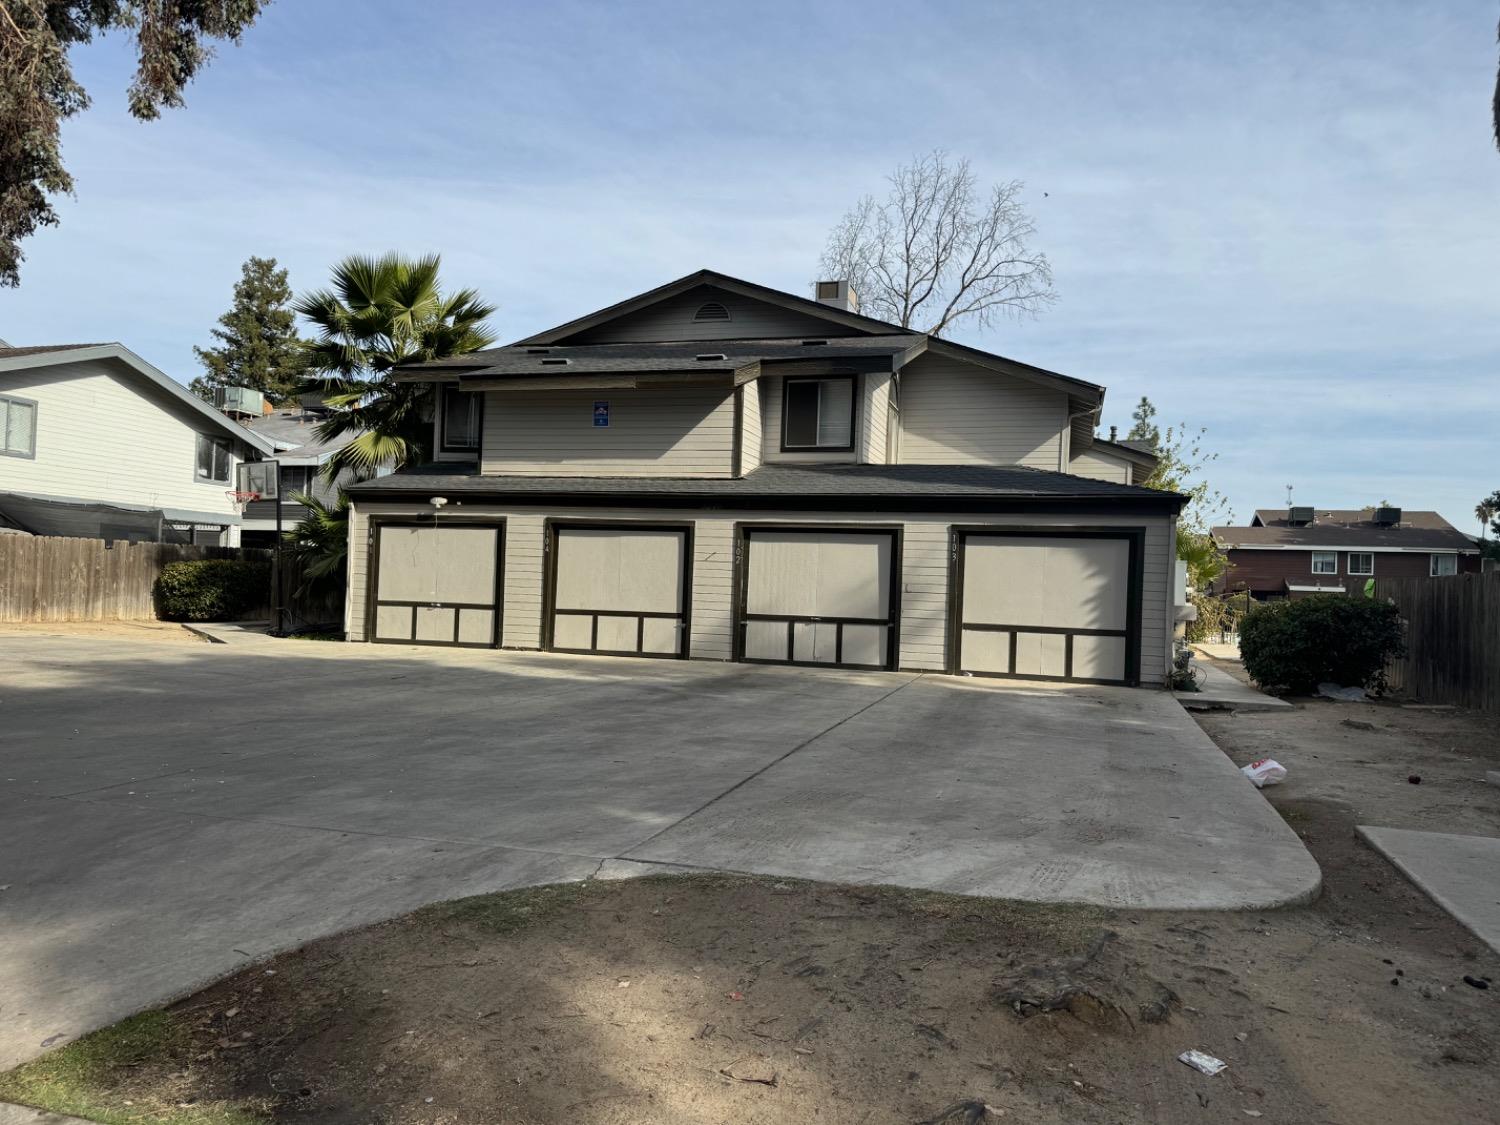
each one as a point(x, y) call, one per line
point(1485, 512)
point(379, 314)
point(319, 544)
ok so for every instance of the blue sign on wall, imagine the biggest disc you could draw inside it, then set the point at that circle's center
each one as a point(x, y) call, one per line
point(601, 413)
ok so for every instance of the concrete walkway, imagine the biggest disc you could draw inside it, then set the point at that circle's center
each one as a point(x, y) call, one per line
point(1460, 873)
point(170, 813)
point(1222, 691)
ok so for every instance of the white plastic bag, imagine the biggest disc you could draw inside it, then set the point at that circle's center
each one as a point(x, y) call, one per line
point(1266, 771)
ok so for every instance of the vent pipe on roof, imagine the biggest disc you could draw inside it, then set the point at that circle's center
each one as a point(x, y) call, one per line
point(837, 294)
point(1113, 430)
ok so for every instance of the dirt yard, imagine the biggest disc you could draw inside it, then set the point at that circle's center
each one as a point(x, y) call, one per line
point(169, 631)
point(721, 999)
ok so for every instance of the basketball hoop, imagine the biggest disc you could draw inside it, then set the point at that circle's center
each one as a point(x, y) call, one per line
point(240, 499)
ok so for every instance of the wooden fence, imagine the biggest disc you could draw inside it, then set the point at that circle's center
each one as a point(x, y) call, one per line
point(1452, 637)
point(51, 578)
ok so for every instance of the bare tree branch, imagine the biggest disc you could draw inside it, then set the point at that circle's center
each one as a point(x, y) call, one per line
point(933, 254)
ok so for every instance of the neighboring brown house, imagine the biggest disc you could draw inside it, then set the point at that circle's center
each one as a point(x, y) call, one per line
point(1289, 552)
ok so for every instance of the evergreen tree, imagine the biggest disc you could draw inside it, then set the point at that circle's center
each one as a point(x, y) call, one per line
point(258, 343)
point(1144, 426)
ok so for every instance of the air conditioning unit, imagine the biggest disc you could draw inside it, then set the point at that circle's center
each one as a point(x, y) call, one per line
point(1388, 517)
point(239, 400)
point(1300, 516)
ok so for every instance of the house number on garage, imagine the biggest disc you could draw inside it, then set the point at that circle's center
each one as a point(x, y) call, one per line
point(601, 413)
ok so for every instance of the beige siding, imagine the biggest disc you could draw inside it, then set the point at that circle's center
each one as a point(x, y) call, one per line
point(877, 411)
point(672, 319)
point(924, 597)
point(105, 435)
point(954, 413)
point(681, 432)
point(1098, 465)
point(751, 428)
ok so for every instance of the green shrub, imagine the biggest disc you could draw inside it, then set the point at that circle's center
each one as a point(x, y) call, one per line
point(1216, 615)
point(212, 589)
point(1324, 638)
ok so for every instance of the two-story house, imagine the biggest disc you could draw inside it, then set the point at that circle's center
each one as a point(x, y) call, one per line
point(96, 442)
point(718, 470)
point(1292, 552)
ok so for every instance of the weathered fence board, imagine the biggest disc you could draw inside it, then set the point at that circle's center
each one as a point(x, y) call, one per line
point(1452, 637)
point(51, 578)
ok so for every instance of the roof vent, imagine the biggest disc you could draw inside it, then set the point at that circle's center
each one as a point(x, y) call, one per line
point(710, 357)
point(1299, 517)
point(556, 362)
point(713, 310)
point(1387, 517)
point(813, 343)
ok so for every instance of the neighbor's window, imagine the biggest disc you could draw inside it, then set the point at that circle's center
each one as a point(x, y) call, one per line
point(1443, 564)
point(213, 459)
point(1361, 562)
point(461, 412)
point(1325, 562)
point(296, 479)
point(818, 414)
point(17, 427)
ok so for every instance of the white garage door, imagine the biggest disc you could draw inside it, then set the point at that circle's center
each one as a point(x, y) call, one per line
point(437, 585)
point(818, 597)
point(1043, 606)
point(619, 590)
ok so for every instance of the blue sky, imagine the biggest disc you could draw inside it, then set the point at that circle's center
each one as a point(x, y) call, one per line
point(1281, 221)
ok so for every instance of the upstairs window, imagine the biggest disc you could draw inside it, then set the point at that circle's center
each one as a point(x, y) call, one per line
point(1442, 565)
point(1325, 562)
point(214, 456)
point(17, 427)
point(1361, 563)
point(817, 415)
point(461, 418)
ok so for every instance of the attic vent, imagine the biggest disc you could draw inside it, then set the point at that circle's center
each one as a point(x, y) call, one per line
point(556, 362)
point(538, 351)
point(709, 357)
point(711, 311)
point(813, 343)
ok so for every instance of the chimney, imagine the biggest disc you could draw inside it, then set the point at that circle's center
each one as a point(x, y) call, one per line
point(838, 294)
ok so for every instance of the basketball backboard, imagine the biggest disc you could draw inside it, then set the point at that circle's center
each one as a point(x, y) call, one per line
point(260, 477)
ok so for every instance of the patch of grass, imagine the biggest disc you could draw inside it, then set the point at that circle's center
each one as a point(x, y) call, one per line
point(318, 635)
point(1062, 928)
point(506, 912)
point(91, 1078)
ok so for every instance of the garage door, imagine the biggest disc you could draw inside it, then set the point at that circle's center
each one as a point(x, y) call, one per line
point(620, 590)
point(437, 585)
point(1048, 605)
point(818, 597)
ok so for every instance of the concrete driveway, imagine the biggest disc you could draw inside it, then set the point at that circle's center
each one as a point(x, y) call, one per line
point(170, 812)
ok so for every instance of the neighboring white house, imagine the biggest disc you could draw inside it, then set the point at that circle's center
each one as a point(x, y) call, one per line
point(96, 442)
point(723, 471)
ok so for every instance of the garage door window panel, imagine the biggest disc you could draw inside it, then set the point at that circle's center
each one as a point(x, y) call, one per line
point(1047, 606)
point(620, 590)
point(818, 597)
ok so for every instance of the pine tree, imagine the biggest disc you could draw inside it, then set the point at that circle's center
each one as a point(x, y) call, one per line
point(1145, 427)
point(258, 344)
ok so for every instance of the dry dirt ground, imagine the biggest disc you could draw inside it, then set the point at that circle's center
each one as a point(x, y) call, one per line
point(168, 631)
point(725, 999)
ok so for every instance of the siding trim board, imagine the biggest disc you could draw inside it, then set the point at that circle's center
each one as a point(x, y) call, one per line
point(1135, 536)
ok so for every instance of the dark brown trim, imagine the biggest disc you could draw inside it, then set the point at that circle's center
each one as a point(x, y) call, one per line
point(550, 528)
point(888, 504)
point(740, 594)
point(854, 389)
point(1135, 575)
point(373, 601)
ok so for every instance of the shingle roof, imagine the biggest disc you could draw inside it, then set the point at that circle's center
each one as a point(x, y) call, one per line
point(787, 484)
point(296, 429)
point(1347, 528)
point(584, 359)
point(13, 353)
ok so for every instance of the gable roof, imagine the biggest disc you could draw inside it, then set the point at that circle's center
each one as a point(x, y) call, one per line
point(22, 359)
point(1136, 452)
point(1345, 528)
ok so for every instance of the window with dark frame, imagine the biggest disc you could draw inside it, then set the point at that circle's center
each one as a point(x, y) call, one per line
point(1361, 563)
point(214, 457)
point(462, 412)
point(817, 415)
point(17, 427)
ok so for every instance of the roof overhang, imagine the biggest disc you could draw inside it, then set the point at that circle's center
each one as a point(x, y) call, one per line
point(1128, 453)
point(121, 354)
point(1359, 549)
